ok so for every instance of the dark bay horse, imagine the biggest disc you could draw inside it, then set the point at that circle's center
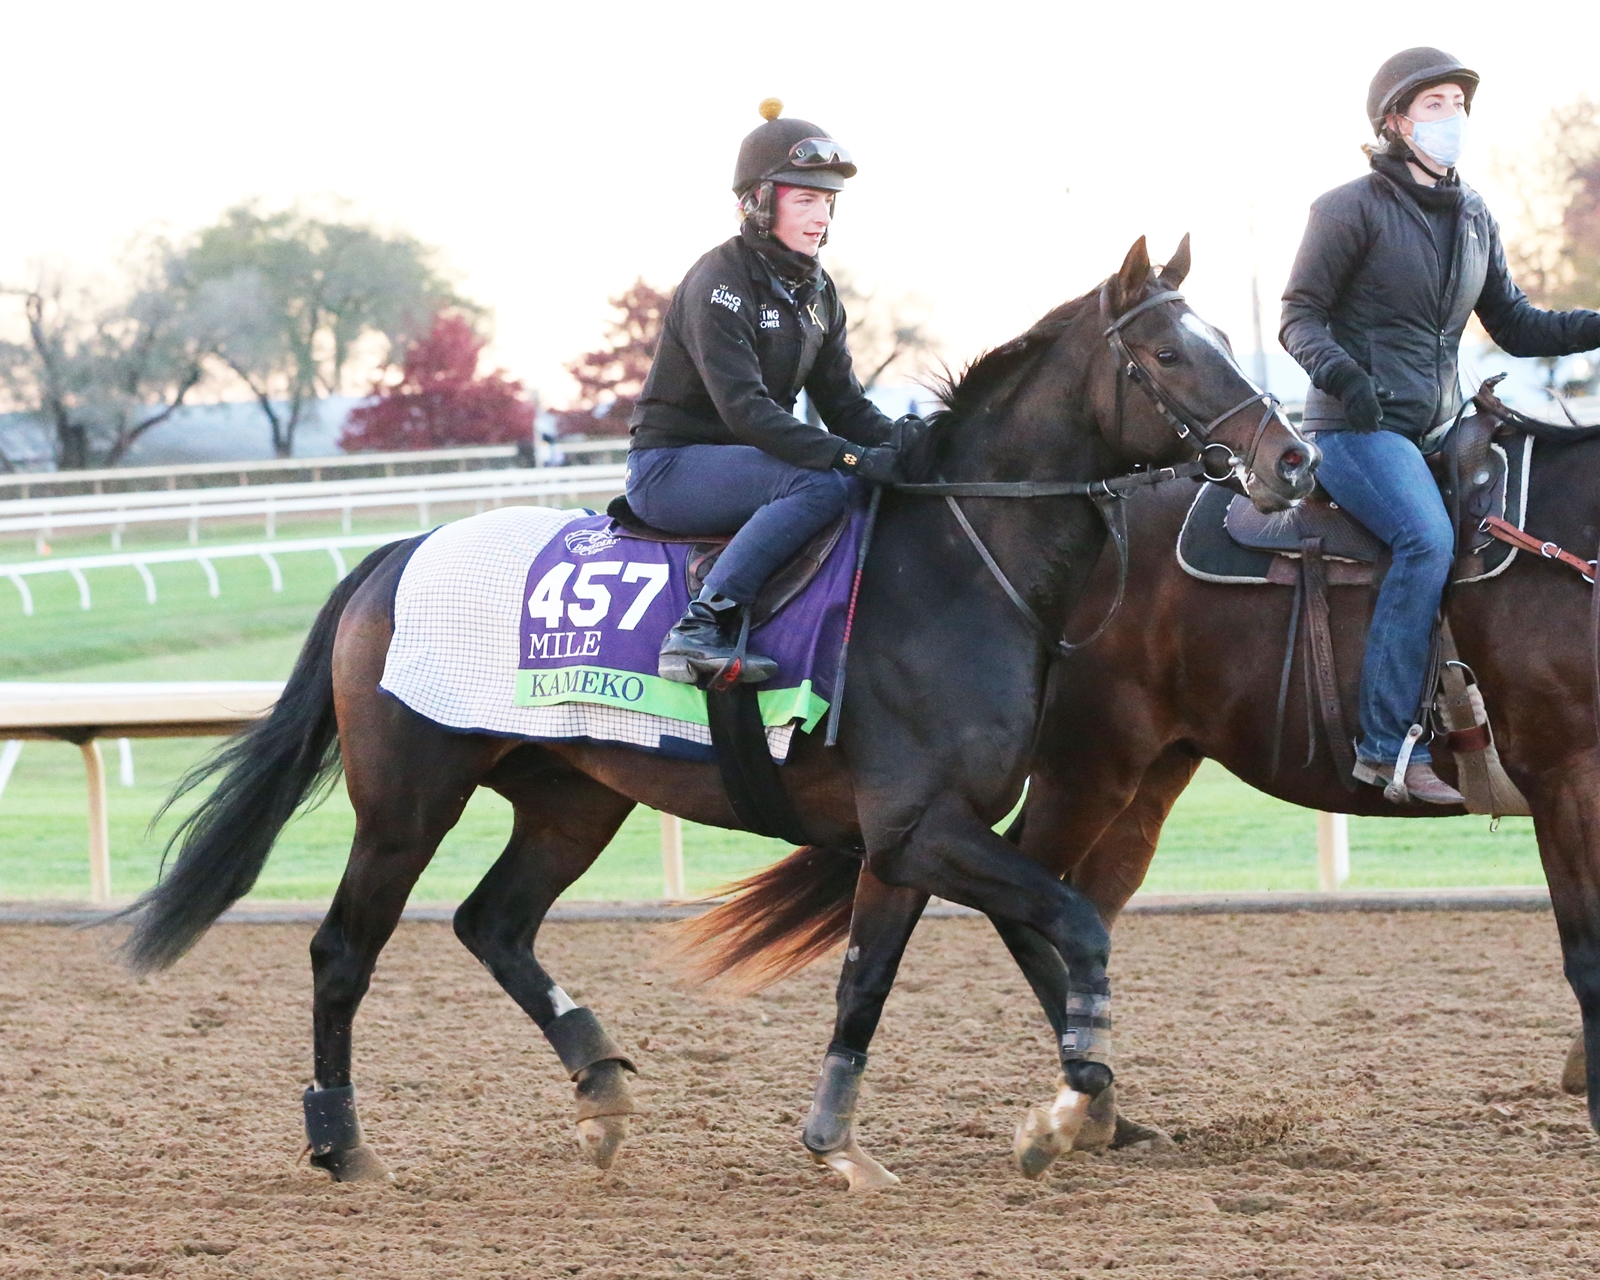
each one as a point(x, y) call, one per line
point(1190, 669)
point(947, 677)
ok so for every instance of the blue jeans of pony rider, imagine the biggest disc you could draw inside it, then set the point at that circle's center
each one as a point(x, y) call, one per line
point(773, 505)
point(1380, 478)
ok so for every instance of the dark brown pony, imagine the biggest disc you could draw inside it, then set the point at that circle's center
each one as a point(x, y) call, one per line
point(947, 677)
point(1190, 669)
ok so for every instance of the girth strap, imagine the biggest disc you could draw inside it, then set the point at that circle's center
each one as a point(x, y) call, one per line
point(754, 786)
point(1325, 673)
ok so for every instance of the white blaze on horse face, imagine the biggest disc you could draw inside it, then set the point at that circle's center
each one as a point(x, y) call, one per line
point(561, 1001)
point(1195, 325)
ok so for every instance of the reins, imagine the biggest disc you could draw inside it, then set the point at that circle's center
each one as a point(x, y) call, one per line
point(1107, 494)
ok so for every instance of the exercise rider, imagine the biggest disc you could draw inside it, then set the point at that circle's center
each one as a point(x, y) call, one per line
point(716, 446)
point(1391, 268)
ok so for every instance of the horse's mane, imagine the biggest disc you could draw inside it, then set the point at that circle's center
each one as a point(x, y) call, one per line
point(962, 393)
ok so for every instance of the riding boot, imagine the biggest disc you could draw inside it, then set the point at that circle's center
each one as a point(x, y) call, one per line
point(705, 645)
point(1422, 783)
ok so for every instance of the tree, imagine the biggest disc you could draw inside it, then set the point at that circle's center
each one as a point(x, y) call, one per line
point(292, 301)
point(886, 331)
point(611, 378)
point(102, 372)
point(1556, 256)
point(440, 400)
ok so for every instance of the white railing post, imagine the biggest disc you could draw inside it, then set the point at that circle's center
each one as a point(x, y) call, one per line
point(672, 857)
point(94, 766)
point(1333, 851)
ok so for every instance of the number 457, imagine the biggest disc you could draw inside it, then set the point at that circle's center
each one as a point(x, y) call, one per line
point(546, 601)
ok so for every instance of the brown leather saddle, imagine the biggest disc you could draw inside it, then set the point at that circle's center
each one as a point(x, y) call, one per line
point(792, 577)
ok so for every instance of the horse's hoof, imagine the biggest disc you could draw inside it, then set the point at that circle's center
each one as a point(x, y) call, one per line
point(1047, 1133)
point(354, 1164)
point(1130, 1133)
point(1100, 1124)
point(1037, 1145)
point(600, 1138)
point(1575, 1075)
point(858, 1169)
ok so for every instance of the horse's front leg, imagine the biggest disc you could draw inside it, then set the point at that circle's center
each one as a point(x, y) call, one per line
point(881, 923)
point(1566, 818)
point(950, 851)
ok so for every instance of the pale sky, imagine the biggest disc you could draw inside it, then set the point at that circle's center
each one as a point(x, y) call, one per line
point(553, 152)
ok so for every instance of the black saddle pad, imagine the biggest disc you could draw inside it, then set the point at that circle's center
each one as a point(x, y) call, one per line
point(1225, 539)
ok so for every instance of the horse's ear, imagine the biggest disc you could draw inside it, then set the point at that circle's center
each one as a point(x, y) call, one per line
point(1172, 275)
point(1129, 282)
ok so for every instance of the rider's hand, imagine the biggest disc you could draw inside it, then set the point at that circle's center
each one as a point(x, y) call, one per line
point(1359, 396)
point(876, 466)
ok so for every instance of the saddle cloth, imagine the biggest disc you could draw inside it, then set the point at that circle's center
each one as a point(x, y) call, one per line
point(1225, 539)
point(533, 623)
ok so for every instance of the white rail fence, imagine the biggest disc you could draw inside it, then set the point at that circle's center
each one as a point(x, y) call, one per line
point(77, 567)
point(46, 516)
point(114, 479)
point(106, 480)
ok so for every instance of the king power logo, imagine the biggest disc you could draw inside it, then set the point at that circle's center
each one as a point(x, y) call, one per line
point(726, 297)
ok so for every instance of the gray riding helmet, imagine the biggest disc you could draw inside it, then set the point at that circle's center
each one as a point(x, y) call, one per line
point(1409, 72)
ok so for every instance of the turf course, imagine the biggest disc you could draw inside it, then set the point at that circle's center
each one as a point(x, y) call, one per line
point(1222, 835)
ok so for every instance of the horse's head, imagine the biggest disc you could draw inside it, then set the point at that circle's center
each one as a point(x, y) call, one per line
point(1168, 387)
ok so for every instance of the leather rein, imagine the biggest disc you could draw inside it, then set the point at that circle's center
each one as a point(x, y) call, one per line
point(1107, 494)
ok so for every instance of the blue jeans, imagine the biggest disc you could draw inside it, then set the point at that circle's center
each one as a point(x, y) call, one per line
point(720, 488)
point(1381, 479)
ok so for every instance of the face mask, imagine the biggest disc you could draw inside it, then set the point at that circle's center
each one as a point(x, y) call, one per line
point(1440, 140)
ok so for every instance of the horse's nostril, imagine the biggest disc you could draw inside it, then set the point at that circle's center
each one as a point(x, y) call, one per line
point(1292, 463)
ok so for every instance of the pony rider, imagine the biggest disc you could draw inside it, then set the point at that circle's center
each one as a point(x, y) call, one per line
point(1391, 267)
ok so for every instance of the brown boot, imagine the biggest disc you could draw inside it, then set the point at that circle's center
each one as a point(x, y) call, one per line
point(1422, 783)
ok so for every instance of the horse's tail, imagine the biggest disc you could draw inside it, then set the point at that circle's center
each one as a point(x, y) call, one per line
point(777, 921)
point(268, 771)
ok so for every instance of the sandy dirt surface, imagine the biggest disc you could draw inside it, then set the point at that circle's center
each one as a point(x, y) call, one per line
point(1354, 1096)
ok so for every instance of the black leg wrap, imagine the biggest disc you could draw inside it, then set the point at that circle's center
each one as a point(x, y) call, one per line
point(580, 1041)
point(833, 1107)
point(331, 1120)
point(1092, 1078)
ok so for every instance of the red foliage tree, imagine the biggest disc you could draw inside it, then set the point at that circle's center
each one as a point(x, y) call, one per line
point(612, 377)
point(440, 401)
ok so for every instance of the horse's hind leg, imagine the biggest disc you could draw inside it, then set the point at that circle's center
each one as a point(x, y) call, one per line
point(881, 923)
point(409, 788)
point(1566, 818)
point(563, 820)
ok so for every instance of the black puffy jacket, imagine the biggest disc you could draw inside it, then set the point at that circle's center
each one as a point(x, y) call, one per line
point(738, 345)
point(1370, 285)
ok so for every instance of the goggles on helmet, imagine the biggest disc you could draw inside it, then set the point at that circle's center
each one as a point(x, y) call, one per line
point(817, 153)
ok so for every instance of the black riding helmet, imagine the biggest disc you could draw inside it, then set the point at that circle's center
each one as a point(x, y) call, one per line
point(1409, 72)
point(795, 153)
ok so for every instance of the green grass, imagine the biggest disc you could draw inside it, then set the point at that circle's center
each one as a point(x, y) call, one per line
point(1221, 836)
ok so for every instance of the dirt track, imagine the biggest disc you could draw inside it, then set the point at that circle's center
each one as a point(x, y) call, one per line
point(1354, 1096)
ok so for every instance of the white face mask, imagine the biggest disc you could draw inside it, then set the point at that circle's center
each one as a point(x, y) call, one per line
point(1440, 140)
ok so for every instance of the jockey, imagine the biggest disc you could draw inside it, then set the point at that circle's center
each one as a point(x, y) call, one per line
point(716, 447)
point(1391, 267)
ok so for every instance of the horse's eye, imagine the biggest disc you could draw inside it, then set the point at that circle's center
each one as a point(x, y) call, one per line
point(1168, 356)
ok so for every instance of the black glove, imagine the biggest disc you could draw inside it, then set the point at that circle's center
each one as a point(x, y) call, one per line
point(1359, 396)
point(876, 466)
point(1591, 332)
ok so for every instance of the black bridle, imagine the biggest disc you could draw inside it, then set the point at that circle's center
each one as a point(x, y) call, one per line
point(1107, 494)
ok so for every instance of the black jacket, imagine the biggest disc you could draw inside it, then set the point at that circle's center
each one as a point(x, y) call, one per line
point(1371, 285)
point(737, 346)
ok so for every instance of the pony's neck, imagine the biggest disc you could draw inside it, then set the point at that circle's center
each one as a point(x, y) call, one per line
point(1040, 425)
